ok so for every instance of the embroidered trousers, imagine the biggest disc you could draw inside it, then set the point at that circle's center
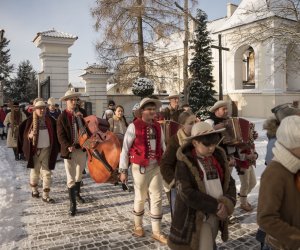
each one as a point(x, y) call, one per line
point(75, 166)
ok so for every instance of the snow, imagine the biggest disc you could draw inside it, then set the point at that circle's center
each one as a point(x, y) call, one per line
point(13, 197)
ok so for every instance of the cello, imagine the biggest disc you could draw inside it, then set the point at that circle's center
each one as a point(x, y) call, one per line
point(103, 149)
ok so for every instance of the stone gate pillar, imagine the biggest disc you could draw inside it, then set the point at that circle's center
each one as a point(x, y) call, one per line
point(54, 58)
point(96, 77)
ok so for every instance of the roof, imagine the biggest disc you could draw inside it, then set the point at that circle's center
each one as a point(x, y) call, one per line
point(253, 10)
point(55, 33)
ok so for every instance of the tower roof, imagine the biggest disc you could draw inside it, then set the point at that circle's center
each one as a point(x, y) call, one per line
point(54, 33)
point(250, 11)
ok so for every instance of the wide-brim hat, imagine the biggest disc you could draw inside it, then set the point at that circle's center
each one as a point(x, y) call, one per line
point(217, 105)
point(70, 94)
point(39, 104)
point(200, 129)
point(51, 101)
point(150, 100)
point(173, 94)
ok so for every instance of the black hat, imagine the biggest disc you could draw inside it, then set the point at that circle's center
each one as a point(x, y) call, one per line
point(16, 104)
point(111, 102)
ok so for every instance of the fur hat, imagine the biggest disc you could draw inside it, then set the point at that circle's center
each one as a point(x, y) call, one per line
point(283, 110)
point(288, 132)
point(201, 129)
point(69, 94)
point(149, 100)
point(217, 105)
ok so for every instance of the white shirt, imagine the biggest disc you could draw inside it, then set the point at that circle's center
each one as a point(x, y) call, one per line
point(43, 140)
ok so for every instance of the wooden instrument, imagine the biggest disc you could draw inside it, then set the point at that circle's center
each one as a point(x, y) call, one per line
point(169, 127)
point(238, 131)
point(103, 149)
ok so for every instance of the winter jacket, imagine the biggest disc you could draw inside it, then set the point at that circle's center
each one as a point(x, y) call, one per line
point(193, 204)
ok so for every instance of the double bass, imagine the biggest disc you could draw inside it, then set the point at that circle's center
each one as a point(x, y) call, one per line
point(103, 149)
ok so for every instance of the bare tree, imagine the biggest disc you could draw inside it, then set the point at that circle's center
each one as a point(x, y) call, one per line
point(128, 29)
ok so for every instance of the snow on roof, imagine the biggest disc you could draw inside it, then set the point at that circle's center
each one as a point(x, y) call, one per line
point(253, 10)
point(55, 33)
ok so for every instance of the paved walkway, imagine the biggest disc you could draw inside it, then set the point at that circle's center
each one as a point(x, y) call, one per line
point(103, 222)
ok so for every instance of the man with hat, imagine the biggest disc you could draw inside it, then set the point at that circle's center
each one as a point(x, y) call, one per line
point(38, 141)
point(170, 115)
point(12, 121)
point(143, 147)
point(74, 157)
point(206, 191)
point(52, 111)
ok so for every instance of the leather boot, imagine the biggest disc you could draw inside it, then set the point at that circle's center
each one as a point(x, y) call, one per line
point(72, 196)
point(16, 154)
point(78, 197)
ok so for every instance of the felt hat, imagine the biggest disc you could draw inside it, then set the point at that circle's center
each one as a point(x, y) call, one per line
point(217, 105)
point(39, 104)
point(70, 94)
point(283, 110)
point(51, 101)
point(201, 129)
point(149, 100)
point(173, 94)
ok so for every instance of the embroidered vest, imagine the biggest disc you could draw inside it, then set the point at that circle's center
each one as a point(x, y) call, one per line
point(139, 152)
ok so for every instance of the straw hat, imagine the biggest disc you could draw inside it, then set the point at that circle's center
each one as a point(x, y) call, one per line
point(148, 100)
point(173, 94)
point(39, 104)
point(69, 94)
point(51, 101)
point(201, 129)
point(217, 105)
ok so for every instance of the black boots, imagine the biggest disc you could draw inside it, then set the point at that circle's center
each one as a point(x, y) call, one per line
point(17, 158)
point(72, 196)
point(78, 197)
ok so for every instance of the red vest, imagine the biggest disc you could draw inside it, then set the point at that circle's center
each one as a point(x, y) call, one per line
point(139, 151)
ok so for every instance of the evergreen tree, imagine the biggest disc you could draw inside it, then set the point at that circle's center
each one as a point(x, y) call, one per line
point(201, 83)
point(5, 67)
point(23, 87)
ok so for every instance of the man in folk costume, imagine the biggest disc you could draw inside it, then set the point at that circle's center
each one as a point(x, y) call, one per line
point(143, 147)
point(74, 156)
point(38, 141)
point(170, 115)
point(12, 122)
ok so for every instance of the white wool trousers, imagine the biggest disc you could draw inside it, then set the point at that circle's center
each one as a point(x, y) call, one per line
point(41, 169)
point(208, 233)
point(248, 181)
point(147, 182)
point(75, 166)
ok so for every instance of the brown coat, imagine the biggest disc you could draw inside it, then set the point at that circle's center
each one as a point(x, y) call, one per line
point(12, 140)
point(278, 211)
point(25, 145)
point(192, 202)
point(64, 134)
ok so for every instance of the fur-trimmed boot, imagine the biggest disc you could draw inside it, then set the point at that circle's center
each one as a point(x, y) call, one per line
point(78, 197)
point(72, 196)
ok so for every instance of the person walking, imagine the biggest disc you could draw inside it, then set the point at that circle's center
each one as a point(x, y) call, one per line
point(74, 157)
point(118, 123)
point(2, 127)
point(169, 160)
point(38, 141)
point(279, 194)
point(143, 147)
point(206, 193)
point(12, 121)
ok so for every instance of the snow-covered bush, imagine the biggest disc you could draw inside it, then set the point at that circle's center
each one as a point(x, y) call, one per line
point(142, 87)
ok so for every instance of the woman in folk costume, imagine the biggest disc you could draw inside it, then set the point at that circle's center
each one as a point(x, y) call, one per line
point(74, 157)
point(168, 161)
point(143, 147)
point(206, 193)
point(38, 141)
point(12, 122)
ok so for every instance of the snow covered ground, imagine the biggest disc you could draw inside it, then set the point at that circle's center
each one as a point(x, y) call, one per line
point(14, 189)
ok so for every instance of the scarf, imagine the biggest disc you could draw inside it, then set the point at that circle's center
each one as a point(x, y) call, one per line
point(286, 158)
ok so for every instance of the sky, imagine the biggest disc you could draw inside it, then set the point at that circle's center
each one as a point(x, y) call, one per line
point(23, 19)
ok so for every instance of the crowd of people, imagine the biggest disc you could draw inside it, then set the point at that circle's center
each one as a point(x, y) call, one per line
point(171, 150)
